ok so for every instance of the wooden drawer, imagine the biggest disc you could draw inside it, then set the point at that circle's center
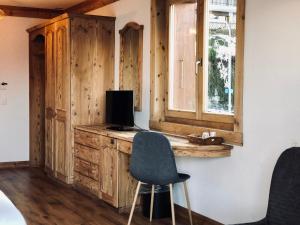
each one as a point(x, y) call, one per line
point(124, 146)
point(88, 139)
point(88, 154)
point(108, 143)
point(87, 168)
point(87, 184)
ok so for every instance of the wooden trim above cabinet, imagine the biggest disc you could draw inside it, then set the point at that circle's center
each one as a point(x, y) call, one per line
point(70, 16)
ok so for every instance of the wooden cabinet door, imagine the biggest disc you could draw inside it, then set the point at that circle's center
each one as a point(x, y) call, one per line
point(57, 103)
point(37, 97)
point(109, 171)
point(62, 102)
point(127, 184)
point(50, 98)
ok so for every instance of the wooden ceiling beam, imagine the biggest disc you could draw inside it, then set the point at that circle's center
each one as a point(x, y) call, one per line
point(80, 8)
point(89, 5)
point(30, 12)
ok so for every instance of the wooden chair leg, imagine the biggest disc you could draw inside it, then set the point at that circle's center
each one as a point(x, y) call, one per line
point(172, 204)
point(188, 201)
point(134, 202)
point(152, 201)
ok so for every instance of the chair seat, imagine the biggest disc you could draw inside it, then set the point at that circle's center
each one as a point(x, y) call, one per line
point(183, 177)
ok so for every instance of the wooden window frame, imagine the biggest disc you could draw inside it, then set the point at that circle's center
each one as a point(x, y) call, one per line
point(181, 122)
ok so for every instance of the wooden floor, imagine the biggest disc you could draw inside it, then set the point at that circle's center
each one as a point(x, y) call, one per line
point(45, 202)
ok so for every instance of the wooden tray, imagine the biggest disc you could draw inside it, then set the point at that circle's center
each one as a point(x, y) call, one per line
point(196, 139)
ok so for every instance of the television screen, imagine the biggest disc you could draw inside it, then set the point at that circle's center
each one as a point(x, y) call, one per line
point(120, 108)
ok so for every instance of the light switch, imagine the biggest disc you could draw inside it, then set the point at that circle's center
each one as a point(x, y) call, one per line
point(3, 99)
point(3, 86)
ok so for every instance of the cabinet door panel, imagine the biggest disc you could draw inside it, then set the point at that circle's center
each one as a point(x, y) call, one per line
point(85, 109)
point(61, 143)
point(49, 144)
point(109, 172)
point(62, 101)
point(127, 184)
point(49, 99)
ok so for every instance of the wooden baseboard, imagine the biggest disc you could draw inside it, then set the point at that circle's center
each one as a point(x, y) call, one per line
point(13, 165)
point(183, 217)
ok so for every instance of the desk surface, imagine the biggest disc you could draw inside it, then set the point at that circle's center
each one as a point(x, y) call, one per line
point(180, 145)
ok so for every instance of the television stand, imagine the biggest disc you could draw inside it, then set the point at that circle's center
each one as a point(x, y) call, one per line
point(120, 128)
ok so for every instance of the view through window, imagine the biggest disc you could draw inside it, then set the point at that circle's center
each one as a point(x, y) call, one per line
point(221, 55)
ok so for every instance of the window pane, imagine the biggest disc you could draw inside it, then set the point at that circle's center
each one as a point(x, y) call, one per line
point(221, 53)
point(182, 47)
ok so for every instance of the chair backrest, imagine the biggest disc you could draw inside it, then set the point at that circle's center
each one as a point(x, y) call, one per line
point(152, 160)
point(284, 202)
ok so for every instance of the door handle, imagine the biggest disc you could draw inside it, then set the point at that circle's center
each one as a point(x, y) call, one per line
point(54, 114)
point(112, 141)
point(50, 114)
point(198, 63)
point(182, 73)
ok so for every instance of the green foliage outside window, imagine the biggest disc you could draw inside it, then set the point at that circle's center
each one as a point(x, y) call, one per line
point(218, 87)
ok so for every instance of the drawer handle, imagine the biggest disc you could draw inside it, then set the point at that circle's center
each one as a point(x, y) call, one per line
point(112, 141)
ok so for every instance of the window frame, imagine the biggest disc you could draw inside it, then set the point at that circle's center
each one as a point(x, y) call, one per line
point(184, 122)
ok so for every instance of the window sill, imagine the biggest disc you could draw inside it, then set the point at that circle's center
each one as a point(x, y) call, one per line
point(230, 137)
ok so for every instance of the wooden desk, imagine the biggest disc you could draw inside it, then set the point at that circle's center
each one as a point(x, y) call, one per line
point(181, 146)
point(102, 159)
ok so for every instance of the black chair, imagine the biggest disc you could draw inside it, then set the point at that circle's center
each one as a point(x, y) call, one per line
point(284, 201)
point(152, 162)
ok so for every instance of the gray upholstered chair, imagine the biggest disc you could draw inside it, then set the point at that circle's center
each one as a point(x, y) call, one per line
point(284, 201)
point(152, 162)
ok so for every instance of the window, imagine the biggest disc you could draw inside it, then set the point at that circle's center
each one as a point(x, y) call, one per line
point(197, 66)
point(202, 62)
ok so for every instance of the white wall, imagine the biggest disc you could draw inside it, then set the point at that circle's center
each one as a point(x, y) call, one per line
point(14, 69)
point(235, 189)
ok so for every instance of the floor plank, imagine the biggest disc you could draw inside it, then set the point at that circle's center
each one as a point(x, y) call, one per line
point(43, 201)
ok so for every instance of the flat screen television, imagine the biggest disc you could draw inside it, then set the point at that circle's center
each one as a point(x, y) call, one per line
point(119, 109)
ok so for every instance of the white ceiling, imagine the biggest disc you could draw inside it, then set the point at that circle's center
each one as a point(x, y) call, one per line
point(47, 4)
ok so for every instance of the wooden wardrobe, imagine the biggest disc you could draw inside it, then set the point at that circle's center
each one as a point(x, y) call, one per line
point(79, 69)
